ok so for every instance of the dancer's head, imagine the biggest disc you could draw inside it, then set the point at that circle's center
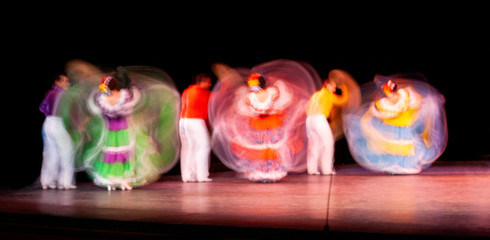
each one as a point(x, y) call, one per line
point(256, 82)
point(122, 78)
point(330, 85)
point(62, 81)
point(202, 80)
point(115, 81)
point(104, 84)
point(389, 88)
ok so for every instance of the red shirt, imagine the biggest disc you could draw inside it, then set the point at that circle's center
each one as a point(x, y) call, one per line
point(195, 102)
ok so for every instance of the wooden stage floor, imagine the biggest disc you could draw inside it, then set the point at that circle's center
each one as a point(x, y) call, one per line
point(449, 199)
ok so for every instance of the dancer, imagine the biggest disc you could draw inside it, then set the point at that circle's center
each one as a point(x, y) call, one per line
point(324, 107)
point(320, 138)
point(401, 126)
point(57, 169)
point(258, 119)
point(194, 134)
point(125, 129)
point(115, 103)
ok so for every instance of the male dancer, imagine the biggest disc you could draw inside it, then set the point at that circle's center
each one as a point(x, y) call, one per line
point(320, 139)
point(194, 135)
point(57, 167)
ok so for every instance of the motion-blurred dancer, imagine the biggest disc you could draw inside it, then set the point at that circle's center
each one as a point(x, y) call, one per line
point(57, 169)
point(324, 121)
point(194, 134)
point(320, 138)
point(124, 126)
point(258, 118)
point(401, 126)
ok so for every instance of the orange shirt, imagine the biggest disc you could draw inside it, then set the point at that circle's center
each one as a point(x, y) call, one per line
point(195, 102)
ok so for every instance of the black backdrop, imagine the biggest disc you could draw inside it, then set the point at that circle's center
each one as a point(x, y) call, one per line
point(454, 60)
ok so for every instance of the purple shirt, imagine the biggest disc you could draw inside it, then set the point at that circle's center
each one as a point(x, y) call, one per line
point(48, 106)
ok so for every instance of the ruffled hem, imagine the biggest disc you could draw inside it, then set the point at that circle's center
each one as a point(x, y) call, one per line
point(258, 176)
point(118, 182)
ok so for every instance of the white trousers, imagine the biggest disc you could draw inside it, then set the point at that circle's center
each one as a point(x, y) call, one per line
point(320, 145)
point(57, 168)
point(195, 150)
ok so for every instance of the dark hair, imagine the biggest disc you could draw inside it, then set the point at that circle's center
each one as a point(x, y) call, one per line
point(112, 84)
point(199, 78)
point(338, 91)
point(122, 77)
point(261, 82)
point(327, 80)
point(57, 76)
point(395, 88)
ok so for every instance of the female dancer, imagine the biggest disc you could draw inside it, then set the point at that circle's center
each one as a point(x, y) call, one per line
point(125, 129)
point(400, 128)
point(258, 118)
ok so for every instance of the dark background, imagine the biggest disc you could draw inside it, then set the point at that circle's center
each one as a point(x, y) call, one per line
point(452, 52)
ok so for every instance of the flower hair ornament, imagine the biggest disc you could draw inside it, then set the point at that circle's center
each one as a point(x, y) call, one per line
point(253, 82)
point(103, 87)
point(389, 88)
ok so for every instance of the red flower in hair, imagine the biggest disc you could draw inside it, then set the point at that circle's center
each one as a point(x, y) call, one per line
point(103, 85)
point(389, 87)
point(253, 79)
